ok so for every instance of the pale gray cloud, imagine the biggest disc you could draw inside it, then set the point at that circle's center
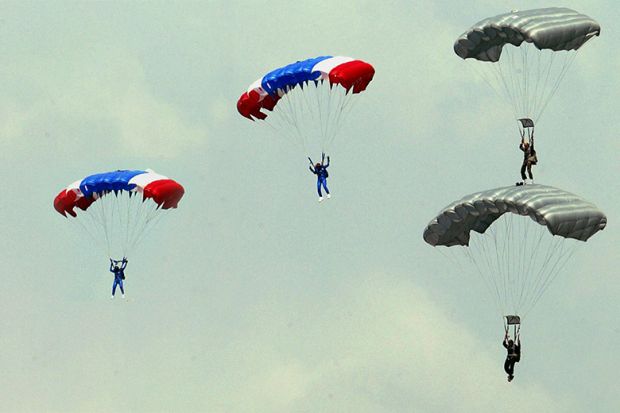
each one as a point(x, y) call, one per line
point(107, 98)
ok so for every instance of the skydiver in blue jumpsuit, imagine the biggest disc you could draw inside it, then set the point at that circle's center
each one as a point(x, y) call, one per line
point(119, 274)
point(320, 170)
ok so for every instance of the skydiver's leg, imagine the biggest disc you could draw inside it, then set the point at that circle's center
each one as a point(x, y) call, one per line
point(529, 170)
point(324, 181)
point(318, 187)
point(509, 366)
point(523, 177)
point(120, 284)
point(114, 287)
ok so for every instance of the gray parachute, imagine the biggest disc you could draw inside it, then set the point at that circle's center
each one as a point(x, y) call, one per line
point(550, 28)
point(564, 214)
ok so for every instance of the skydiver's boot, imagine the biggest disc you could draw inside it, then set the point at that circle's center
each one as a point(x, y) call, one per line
point(520, 183)
point(329, 196)
point(320, 199)
point(510, 377)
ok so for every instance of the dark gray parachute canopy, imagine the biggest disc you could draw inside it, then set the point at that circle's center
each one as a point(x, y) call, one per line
point(554, 28)
point(563, 213)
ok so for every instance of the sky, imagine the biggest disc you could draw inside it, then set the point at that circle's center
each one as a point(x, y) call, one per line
point(252, 296)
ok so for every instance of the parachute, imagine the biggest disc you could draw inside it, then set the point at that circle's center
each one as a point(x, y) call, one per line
point(118, 207)
point(307, 100)
point(524, 55)
point(523, 237)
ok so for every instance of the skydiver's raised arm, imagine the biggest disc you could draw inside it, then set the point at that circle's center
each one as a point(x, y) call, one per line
point(325, 166)
point(111, 265)
point(124, 263)
point(312, 169)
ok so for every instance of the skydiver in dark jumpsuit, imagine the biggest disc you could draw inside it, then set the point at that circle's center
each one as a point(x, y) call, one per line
point(514, 354)
point(320, 170)
point(529, 159)
point(119, 274)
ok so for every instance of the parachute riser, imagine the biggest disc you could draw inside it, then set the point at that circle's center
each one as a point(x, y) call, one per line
point(515, 321)
point(526, 129)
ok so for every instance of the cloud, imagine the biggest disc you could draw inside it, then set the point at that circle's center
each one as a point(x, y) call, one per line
point(101, 100)
point(381, 346)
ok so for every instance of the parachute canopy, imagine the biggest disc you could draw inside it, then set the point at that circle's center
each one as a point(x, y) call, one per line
point(165, 192)
point(512, 249)
point(554, 28)
point(118, 207)
point(524, 55)
point(351, 74)
point(564, 214)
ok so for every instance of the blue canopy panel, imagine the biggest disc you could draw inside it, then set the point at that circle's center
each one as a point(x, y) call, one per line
point(108, 181)
point(291, 75)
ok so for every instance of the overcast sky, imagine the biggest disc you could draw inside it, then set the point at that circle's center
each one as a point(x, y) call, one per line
point(251, 296)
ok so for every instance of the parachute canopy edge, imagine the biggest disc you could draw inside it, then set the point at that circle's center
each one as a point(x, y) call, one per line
point(353, 75)
point(564, 214)
point(555, 28)
point(165, 192)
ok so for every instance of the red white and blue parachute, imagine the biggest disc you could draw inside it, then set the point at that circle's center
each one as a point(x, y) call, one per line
point(307, 98)
point(119, 206)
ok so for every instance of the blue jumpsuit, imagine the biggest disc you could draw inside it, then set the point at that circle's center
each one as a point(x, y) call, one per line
point(321, 177)
point(119, 275)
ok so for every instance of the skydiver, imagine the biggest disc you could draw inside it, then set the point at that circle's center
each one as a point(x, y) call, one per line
point(320, 170)
point(119, 274)
point(529, 158)
point(514, 354)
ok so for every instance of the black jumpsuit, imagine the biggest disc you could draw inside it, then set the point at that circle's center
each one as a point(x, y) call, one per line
point(513, 356)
